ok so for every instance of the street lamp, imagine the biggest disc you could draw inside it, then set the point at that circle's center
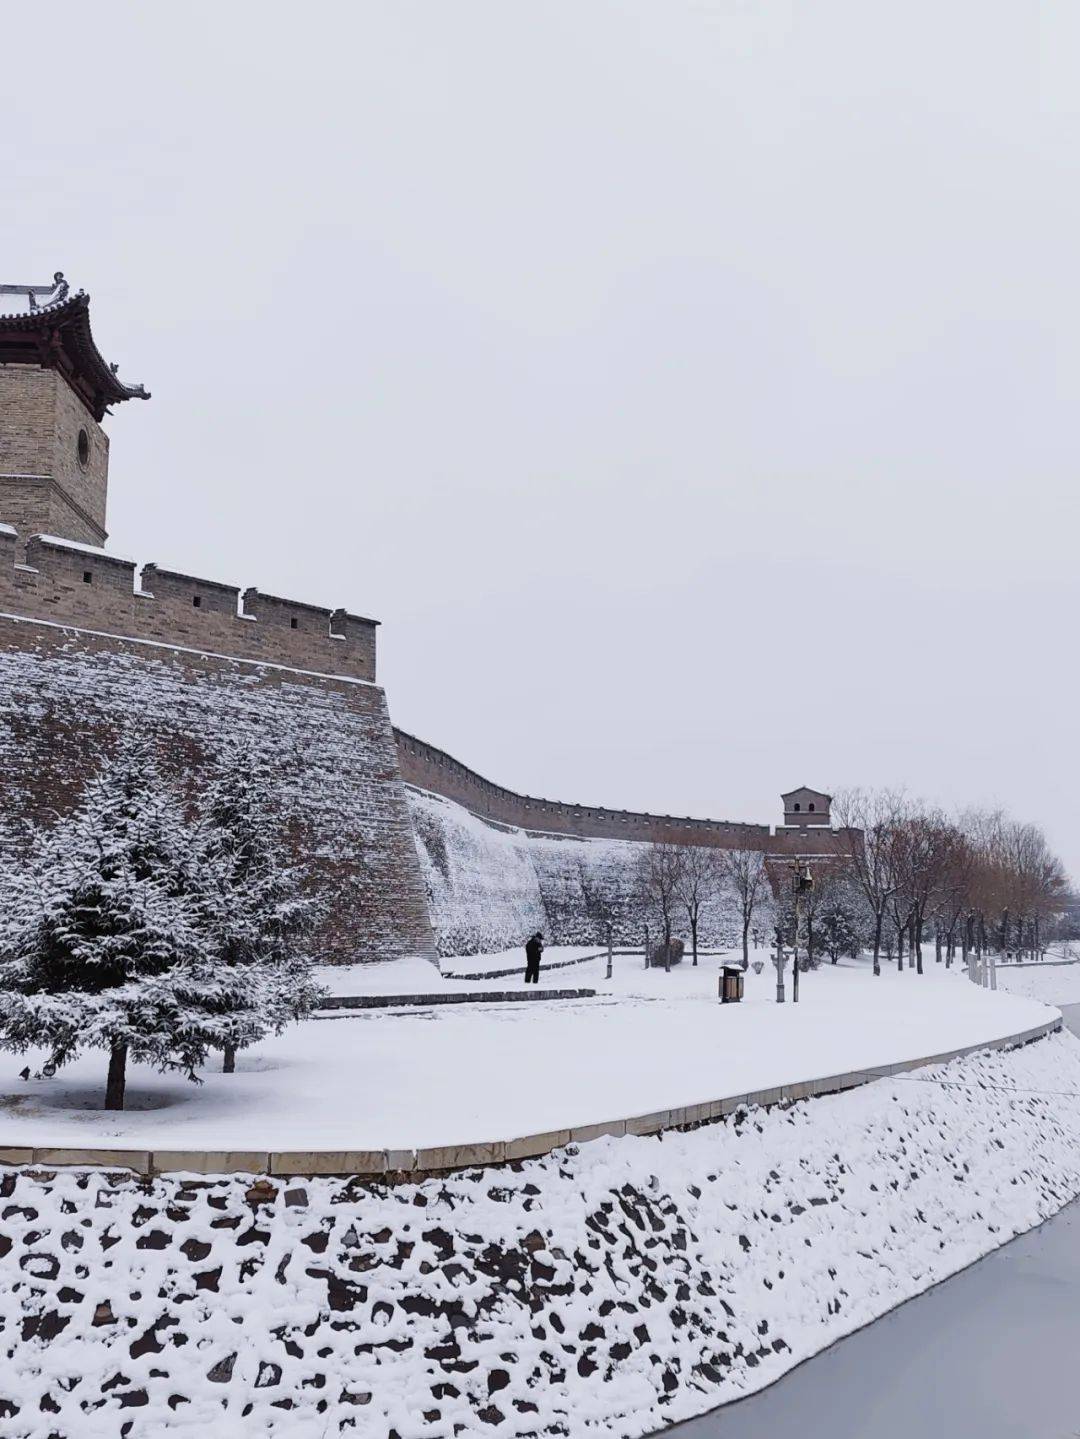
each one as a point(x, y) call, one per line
point(778, 960)
point(802, 883)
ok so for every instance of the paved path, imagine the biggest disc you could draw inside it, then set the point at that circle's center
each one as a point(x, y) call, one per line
point(993, 1353)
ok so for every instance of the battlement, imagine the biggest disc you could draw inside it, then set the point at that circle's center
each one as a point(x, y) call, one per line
point(425, 767)
point(81, 585)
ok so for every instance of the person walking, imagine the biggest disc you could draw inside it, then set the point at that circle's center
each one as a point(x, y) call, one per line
point(533, 950)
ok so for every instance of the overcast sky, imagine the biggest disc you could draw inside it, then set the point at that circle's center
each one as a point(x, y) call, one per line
point(690, 387)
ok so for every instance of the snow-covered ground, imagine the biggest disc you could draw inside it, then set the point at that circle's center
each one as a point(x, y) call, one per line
point(423, 976)
point(1050, 983)
point(610, 1289)
point(463, 1074)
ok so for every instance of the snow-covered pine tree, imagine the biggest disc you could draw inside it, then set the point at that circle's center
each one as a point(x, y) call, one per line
point(103, 937)
point(843, 921)
point(258, 919)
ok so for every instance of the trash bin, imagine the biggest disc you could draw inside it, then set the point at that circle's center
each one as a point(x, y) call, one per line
point(731, 985)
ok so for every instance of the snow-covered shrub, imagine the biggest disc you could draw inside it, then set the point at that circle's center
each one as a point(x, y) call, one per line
point(255, 915)
point(126, 931)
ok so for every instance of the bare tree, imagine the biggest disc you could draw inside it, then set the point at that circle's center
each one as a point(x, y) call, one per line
point(697, 882)
point(952, 894)
point(869, 819)
point(660, 869)
point(745, 874)
point(921, 852)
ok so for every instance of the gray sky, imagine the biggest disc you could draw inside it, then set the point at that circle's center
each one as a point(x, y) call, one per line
point(690, 387)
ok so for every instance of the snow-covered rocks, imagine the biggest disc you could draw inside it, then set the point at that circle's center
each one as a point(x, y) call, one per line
point(616, 1287)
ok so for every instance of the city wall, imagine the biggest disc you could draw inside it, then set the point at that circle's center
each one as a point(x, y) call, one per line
point(90, 643)
point(427, 768)
point(68, 583)
point(433, 769)
point(69, 688)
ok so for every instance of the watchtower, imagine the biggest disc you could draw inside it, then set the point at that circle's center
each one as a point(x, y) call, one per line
point(55, 389)
point(805, 806)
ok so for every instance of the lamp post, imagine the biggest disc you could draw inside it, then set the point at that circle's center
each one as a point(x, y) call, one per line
point(778, 960)
point(803, 883)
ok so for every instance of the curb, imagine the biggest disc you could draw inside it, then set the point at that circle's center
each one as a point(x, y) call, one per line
point(394, 1164)
point(426, 1001)
point(519, 969)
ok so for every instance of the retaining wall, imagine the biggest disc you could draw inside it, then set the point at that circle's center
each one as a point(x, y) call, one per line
point(65, 694)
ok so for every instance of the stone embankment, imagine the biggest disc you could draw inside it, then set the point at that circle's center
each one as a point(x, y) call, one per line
point(620, 1285)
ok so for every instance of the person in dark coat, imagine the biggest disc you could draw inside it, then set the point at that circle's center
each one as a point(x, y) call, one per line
point(533, 950)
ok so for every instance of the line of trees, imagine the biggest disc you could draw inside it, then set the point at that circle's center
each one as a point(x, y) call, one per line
point(907, 876)
point(683, 882)
point(976, 883)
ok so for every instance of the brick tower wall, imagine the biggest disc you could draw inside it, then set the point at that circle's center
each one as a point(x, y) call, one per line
point(44, 486)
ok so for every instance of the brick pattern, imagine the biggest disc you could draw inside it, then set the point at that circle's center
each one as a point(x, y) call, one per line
point(97, 591)
point(40, 420)
point(65, 694)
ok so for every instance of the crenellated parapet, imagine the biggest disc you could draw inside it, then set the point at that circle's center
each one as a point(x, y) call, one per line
point(425, 767)
point(85, 587)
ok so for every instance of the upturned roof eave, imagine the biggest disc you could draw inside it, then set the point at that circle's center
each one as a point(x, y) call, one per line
point(67, 343)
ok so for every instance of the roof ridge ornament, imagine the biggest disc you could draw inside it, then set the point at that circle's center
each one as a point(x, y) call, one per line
point(53, 294)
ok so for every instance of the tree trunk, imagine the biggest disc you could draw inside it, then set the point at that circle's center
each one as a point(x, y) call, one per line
point(115, 1084)
point(877, 944)
point(228, 1063)
point(693, 936)
point(746, 945)
point(899, 947)
point(916, 940)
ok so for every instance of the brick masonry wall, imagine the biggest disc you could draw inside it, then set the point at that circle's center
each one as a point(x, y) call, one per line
point(96, 591)
point(432, 769)
point(40, 420)
point(65, 693)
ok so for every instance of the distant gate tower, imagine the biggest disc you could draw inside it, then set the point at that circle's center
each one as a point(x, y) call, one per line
point(55, 389)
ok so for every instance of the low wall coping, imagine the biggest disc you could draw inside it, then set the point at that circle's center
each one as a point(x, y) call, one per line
point(424, 1001)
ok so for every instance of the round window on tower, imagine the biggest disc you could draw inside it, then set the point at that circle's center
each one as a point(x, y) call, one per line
point(83, 448)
